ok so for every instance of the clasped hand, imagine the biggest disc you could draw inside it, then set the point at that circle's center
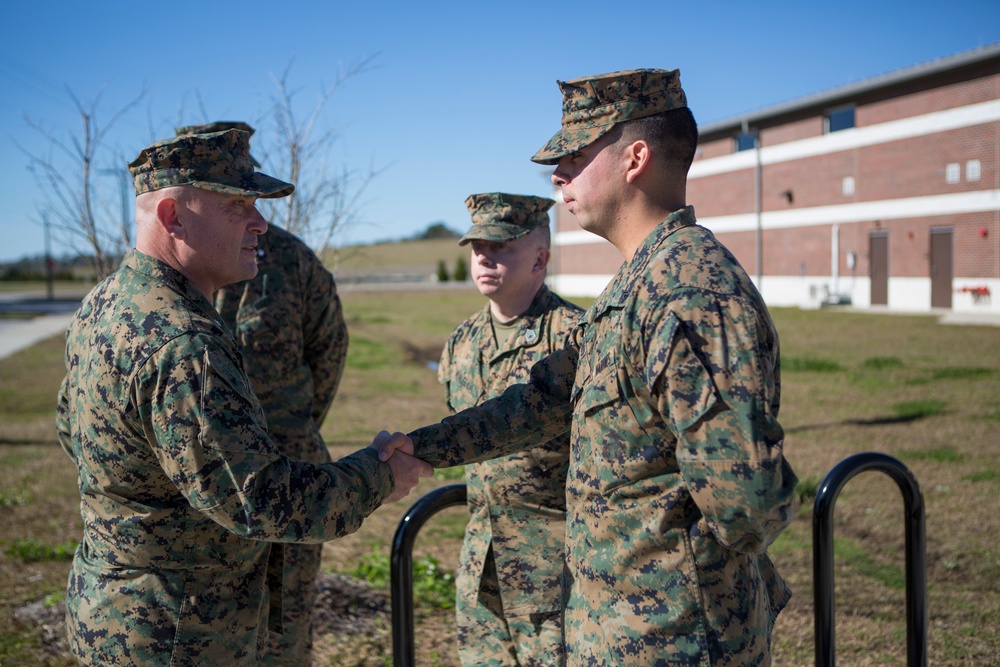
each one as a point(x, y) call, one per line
point(396, 449)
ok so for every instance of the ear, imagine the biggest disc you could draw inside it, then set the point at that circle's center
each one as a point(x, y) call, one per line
point(168, 219)
point(637, 158)
point(541, 260)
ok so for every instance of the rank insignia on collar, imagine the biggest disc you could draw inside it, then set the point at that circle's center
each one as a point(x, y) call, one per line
point(530, 335)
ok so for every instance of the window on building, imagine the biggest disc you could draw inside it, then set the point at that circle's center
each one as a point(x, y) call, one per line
point(972, 170)
point(848, 186)
point(744, 141)
point(952, 172)
point(840, 119)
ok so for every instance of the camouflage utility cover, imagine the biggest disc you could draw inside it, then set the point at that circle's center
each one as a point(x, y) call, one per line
point(181, 488)
point(517, 504)
point(218, 126)
point(501, 217)
point(677, 482)
point(217, 162)
point(593, 104)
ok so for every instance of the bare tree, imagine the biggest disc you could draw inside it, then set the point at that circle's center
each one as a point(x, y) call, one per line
point(327, 197)
point(83, 216)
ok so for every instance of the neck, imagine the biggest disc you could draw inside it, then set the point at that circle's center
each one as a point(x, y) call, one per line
point(653, 201)
point(505, 310)
point(168, 254)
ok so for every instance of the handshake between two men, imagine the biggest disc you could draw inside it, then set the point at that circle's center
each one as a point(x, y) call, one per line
point(396, 449)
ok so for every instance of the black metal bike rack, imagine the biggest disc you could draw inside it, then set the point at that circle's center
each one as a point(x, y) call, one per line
point(402, 566)
point(916, 555)
point(916, 558)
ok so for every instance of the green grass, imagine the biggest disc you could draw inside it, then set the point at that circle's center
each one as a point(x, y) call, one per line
point(450, 474)
point(10, 498)
point(860, 559)
point(800, 365)
point(433, 585)
point(962, 373)
point(807, 488)
point(882, 363)
point(903, 385)
point(982, 476)
point(30, 551)
point(919, 409)
point(937, 455)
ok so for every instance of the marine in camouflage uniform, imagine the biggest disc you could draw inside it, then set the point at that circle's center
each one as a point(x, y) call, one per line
point(182, 491)
point(677, 481)
point(510, 577)
point(289, 323)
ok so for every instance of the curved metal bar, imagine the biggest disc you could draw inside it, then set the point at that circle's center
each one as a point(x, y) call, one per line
point(402, 565)
point(916, 554)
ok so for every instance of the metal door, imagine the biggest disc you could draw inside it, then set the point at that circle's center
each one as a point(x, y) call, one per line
point(878, 267)
point(942, 267)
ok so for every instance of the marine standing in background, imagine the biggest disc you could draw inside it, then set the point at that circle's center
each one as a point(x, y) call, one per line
point(185, 499)
point(510, 577)
point(677, 479)
point(290, 327)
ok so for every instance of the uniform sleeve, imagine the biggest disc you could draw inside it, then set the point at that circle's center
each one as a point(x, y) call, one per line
point(444, 372)
point(712, 373)
point(324, 334)
point(62, 419)
point(523, 415)
point(197, 406)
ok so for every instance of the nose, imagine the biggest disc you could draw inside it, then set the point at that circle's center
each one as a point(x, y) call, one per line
point(482, 256)
point(258, 225)
point(559, 178)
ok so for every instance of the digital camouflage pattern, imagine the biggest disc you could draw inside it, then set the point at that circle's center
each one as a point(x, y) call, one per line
point(502, 217)
point(182, 491)
point(290, 327)
point(593, 104)
point(219, 126)
point(217, 162)
point(510, 578)
point(677, 482)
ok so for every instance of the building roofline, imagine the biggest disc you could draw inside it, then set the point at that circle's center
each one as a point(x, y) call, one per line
point(833, 95)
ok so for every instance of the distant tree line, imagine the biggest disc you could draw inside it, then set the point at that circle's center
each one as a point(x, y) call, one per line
point(30, 269)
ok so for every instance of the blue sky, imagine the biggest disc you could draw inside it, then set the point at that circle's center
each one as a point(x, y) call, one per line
point(461, 94)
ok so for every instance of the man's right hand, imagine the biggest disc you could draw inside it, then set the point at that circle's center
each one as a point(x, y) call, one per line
point(406, 472)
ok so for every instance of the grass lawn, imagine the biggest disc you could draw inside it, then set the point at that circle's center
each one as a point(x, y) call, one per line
point(925, 393)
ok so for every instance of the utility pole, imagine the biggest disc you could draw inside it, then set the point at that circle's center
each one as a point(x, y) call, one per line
point(49, 277)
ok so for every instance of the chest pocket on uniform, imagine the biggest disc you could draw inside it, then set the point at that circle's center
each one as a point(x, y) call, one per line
point(620, 451)
point(256, 327)
point(231, 418)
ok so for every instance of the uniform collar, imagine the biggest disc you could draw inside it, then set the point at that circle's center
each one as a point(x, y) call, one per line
point(623, 285)
point(530, 323)
point(161, 272)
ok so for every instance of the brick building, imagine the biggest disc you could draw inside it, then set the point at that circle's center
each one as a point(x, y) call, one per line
point(883, 193)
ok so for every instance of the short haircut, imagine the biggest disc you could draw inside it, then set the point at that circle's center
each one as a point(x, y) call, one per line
point(672, 134)
point(544, 236)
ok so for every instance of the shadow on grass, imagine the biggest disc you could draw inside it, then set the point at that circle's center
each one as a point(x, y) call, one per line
point(875, 421)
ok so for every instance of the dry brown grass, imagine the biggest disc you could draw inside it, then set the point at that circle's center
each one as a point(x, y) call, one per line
point(925, 393)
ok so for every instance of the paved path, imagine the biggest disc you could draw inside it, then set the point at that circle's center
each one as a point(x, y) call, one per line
point(52, 318)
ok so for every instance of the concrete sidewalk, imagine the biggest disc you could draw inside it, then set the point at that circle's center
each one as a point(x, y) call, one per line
point(43, 319)
point(16, 335)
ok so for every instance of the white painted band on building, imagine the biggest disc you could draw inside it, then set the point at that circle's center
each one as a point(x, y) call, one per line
point(958, 203)
point(857, 137)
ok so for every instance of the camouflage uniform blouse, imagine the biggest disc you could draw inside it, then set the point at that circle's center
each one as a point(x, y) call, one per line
point(516, 503)
point(677, 481)
point(181, 488)
point(290, 326)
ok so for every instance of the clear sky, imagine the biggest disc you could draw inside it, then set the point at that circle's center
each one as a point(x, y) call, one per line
point(461, 95)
